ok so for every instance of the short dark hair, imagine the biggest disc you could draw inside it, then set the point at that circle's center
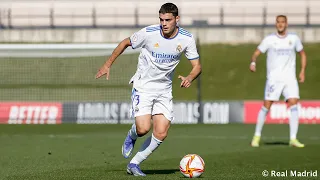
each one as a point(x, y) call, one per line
point(169, 8)
point(283, 16)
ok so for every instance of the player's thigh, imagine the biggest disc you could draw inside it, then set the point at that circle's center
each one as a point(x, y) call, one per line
point(273, 90)
point(163, 104)
point(291, 92)
point(161, 126)
point(162, 115)
point(141, 110)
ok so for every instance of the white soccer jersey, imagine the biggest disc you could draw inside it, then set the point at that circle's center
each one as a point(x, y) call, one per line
point(159, 57)
point(281, 56)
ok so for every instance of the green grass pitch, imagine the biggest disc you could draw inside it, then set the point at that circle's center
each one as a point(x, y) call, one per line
point(34, 152)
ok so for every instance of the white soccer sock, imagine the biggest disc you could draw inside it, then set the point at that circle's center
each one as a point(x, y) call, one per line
point(149, 145)
point(133, 132)
point(260, 121)
point(294, 122)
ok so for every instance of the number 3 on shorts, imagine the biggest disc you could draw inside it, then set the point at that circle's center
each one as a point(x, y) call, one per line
point(137, 98)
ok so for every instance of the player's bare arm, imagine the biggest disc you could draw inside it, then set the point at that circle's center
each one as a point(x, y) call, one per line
point(303, 66)
point(254, 57)
point(105, 69)
point(195, 72)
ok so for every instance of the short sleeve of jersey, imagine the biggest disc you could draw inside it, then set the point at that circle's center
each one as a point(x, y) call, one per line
point(191, 50)
point(264, 45)
point(137, 39)
point(299, 46)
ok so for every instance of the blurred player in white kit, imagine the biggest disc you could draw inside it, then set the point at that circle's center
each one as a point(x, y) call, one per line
point(161, 48)
point(281, 48)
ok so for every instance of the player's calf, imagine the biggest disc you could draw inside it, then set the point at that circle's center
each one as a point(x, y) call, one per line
point(294, 123)
point(260, 122)
point(149, 145)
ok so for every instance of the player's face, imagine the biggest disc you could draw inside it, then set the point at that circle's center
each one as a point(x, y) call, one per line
point(168, 23)
point(281, 25)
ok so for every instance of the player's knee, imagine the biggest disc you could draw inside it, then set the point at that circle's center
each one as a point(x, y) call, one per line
point(292, 101)
point(141, 131)
point(161, 135)
point(267, 104)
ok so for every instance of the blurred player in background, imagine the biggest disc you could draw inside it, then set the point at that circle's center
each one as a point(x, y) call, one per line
point(281, 76)
point(161, 48)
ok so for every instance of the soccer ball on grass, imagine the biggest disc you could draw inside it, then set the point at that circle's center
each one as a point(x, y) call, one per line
point(192, 166)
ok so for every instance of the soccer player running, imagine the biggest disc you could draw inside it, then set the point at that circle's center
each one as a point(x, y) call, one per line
point(161, 48)
point(281, 76)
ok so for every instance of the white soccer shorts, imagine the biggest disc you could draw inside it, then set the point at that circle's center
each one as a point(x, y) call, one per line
point(151, 103)
point(274, 89)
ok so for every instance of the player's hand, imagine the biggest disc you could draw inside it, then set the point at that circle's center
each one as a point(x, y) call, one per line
point(186, 82)
point(301, 77)
point(253, 67)
point(104, 70)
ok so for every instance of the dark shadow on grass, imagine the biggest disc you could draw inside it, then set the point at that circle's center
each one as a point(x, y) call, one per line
point(276, 143)
point(161, 171)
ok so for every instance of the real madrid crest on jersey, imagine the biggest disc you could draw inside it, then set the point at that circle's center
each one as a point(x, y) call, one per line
point(156, 45)
point(179, 48)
